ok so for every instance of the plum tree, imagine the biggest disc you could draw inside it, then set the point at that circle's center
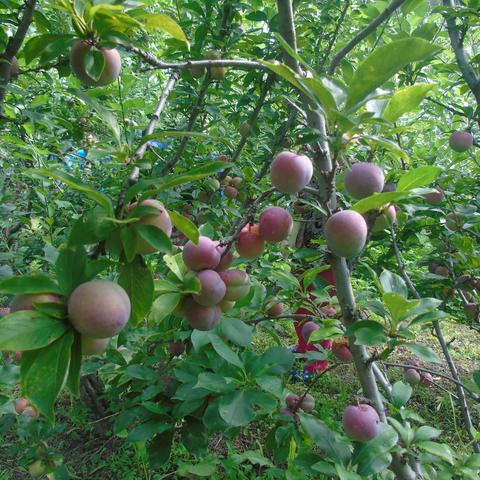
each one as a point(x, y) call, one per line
point(364, 179)
point(203, 256)
point(231, 192)
point(307, 403)
point(361, 422)
point(212, 288)
point(291, 172)
point(346, 233)
point(176, 348)
point(217, 73)
point(308, 328)
point(249, 244)
point(160, 220)
point(275, 224)
point(244, 129)
point(94, 346)
point(454, 221)
point(237, 283)
point(99, 308)
point(342, 351)
point(388, 215)
point(460, 141)
point(112, 64)
point(435, 197)
point(200, 317)
point(411, 376)
point(26, 302)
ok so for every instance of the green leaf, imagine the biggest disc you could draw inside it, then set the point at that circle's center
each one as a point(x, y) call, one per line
point(141, 372)
point(73, 378)
point(214, 382)
point(164, 305)
point(186, 226)
point(70, 268)
point(401, 393)
point(334, 446)
point(106, 115)
point(29, 330)
point(388, 145)
point(391, 282)
point(384, 62)
point(39, 44)
point(367, 332)
point(398, 305)
point(46, 374)
point(237, 331)
point(137, 281)
point(235, 408)
point(423, 352)
point(280, 360)
point(324, 333)
point(155, 236)
point(94, 63)
point(405, 100)
point(426, 433)
point(378, 200)
point(29, 284)
point(160, 448)
point(128, 236)
point(159, 21)
point(438, 449)
point(176, 265)
point(147, 430)
point(76, 184)
point(374, 456)
point(418, 177)
point(225, 351)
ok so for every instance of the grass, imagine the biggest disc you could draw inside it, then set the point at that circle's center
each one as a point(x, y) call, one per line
point(90, 452)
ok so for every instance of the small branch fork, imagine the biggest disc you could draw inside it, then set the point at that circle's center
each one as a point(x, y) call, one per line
point(385, 15)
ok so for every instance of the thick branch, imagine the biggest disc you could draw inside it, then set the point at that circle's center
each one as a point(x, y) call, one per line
point(363, 34)
point(456, 40)
point(13, 46)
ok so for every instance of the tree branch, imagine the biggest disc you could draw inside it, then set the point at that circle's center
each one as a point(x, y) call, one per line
point(13, 46)
point(363, 34)
point(456, 41)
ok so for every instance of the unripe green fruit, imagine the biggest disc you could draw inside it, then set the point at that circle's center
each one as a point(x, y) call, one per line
point(346, 233)
point(99, 308)
point(275, 224)
point(460, 141)
point(212, 288)
point(226, 305)
point(237, 181)
point(200, 317)
point(361, 422)
point(203, 256)
point(217, 73)
point(94, 346)
point(291, 172)
point(237, 283)
point(214, 183)
point(249, 244)
point(197, 71)
point(26, 302)
point(161, 220)
point(111, 71)
point(364, 179)
point(37, 469)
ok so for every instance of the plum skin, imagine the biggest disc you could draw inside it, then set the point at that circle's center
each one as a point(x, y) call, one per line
point(275, 224)
point(291, 172)
point(364, 179)
point(460, 141)
point(249, 244)
point(361, 422)
point(203, 256)
point(213, 288)
point(237, 283)
point(346, 233)
point(200, 317)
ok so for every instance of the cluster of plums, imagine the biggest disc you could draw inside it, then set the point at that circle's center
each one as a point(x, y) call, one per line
point(297, 404)
point(415, 377)
point(220, 287)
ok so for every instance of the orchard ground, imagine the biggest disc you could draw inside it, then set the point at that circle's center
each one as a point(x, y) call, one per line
point(92, 451)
